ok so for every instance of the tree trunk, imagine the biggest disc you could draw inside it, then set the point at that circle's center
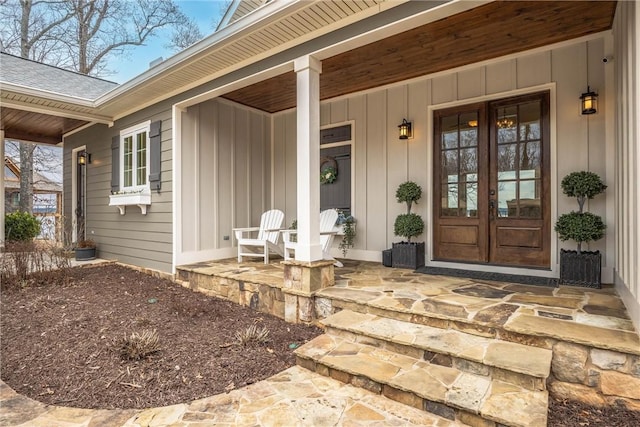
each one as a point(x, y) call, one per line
point(26, 177)
point(25, 43)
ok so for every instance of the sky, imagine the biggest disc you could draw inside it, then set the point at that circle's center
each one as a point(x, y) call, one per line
point(136, 61)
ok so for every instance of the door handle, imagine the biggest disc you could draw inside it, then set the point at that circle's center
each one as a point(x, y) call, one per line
point(492, 207)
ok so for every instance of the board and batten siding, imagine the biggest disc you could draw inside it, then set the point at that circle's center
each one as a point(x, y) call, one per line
point(225, 165)
point(382, 161)
point(626, 57)
point(133, 238)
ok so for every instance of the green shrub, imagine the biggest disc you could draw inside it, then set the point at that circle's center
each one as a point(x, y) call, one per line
point(408, 192)
point(21, 226)
point(582, 185)
point(408, 225)
point(583, 227)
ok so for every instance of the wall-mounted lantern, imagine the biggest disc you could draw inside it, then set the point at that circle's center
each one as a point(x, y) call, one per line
point(405, 129)
point(589, 102)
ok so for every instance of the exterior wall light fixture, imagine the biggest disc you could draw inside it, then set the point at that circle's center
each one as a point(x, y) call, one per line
point(84, 158)
point(405, 129)
point(589, 102)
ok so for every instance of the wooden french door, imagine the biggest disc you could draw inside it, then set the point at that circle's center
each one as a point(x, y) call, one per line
point(491, 176)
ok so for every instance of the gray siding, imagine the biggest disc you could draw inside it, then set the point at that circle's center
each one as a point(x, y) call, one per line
point(133, 238)
point(224, 182)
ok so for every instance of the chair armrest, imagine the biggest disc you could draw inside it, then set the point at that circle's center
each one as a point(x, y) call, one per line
point(239, 232)
point(286, 234)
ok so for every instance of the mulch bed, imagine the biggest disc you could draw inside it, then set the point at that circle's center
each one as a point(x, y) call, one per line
point(567, 413)
point(61, 345)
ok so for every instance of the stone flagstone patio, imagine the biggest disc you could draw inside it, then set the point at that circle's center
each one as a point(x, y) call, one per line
point(293, 397)
point(593, 348)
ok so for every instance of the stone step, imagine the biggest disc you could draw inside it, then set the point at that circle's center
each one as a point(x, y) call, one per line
point(518, 317)
point(515, 363)
point(445, 391)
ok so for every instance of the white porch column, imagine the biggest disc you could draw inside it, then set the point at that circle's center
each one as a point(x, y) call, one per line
point(308, 70)
point(2, 188)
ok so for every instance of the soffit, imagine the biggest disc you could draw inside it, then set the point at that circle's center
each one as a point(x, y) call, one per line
point(36, 127)
point(489, 31)
point(304, 21)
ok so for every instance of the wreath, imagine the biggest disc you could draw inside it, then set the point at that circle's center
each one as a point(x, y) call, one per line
point(329, 173)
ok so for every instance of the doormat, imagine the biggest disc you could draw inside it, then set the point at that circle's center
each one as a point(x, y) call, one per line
point(487, 275)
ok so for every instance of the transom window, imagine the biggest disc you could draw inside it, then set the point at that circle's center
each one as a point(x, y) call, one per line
point(134, 157)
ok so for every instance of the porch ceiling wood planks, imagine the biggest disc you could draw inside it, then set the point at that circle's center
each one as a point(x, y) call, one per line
point(489, 31)
point(36, 127)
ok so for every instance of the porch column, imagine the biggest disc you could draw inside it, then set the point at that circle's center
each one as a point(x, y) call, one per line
point(308, 70)
point(2, 188)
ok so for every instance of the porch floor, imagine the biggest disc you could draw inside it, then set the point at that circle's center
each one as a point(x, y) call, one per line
point(595, 317)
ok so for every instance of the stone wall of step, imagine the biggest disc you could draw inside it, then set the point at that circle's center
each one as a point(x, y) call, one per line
point(604, 374)
point(286, 299)
point(595, 376)
point(474, 380)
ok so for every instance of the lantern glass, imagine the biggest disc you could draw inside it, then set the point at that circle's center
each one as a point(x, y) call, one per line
point(589, 102)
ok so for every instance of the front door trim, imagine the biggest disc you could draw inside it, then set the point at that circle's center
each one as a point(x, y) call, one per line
point(553, 172)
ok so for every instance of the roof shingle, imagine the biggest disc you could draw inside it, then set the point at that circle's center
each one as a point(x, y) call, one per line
point(28, 73)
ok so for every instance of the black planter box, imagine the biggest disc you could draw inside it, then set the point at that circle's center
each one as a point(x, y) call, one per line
point(85, 254)
point(407, 255)
point(386, 257)
point(580, 269)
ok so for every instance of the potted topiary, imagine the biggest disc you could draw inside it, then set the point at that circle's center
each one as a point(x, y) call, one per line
point(408, 254)
point(85, 250)
point(581, 268)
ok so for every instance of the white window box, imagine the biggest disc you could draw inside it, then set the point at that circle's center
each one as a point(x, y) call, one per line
point(121, 201)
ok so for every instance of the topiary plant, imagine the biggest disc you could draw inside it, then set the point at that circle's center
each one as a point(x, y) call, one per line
point(408, 225)
point(582, 185)
point(408, 192)
point(582, 227)
point(21, 226)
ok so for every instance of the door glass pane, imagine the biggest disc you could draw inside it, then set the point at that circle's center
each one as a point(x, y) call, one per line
point(471, 193)
point(449, 126)
point(530, 159)
point(529, 120)
point(468, 162)
point(449, 202)
point(506, 161)
point(507, 199)
point(449, 165)
point(530, 205)
point(506, 124)
point(469, 129)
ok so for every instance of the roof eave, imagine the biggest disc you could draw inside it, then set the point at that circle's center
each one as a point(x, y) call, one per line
point(269, 12)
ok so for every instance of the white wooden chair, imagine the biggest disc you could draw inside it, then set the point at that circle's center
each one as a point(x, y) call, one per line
point(266, 240)
point(328, 230)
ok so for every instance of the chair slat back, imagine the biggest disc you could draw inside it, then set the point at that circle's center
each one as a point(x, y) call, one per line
point(271, 220)
point(328, 219)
